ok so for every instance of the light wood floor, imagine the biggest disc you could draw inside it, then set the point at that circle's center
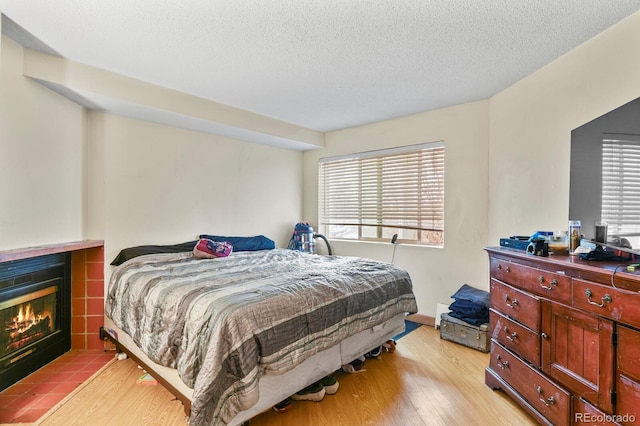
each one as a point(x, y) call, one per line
point(426, 381)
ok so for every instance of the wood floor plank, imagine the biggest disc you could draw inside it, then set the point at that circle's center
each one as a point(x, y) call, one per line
point(426, 381)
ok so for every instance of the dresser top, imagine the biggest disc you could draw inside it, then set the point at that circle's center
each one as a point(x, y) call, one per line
point(603, 272)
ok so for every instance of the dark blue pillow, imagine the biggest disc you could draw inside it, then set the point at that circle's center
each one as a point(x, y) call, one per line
point(258, 242)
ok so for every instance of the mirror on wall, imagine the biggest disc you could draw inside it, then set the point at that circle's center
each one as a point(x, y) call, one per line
point(605, 176)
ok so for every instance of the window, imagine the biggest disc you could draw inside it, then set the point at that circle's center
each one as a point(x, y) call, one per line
point(374, 195)
point(621, 184)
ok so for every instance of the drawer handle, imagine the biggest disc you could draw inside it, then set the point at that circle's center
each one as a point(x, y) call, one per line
point(502, 364)
point(508, 269)
point(511, 337)
point(511, 305)
point(551, 285)
point(549, 401)
point(605, 299)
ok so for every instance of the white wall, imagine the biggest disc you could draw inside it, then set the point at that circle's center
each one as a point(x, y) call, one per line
point(531, 124)
point(72, 174)
point(436, 272)
point(507, 167)
point(42, 167)
point(156, 184)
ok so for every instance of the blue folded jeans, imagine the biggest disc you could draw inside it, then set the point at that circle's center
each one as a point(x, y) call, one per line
point(469, 309)
point(473, 321)
point(471, 294)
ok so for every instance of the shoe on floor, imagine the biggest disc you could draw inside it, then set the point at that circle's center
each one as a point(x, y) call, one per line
point(313, 392)
point(374, 353)
point(389, 345)
point(354, 366)
point(283, 406)
point(330, 384)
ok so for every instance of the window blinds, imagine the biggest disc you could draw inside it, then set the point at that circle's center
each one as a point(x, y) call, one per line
point(397, 189)
point(621, 184)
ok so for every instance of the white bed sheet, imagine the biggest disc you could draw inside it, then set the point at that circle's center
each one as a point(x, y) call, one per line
point(274, 389)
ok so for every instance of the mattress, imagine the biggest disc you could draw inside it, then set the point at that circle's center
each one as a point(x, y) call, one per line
point(272, 389)
point(225, 323)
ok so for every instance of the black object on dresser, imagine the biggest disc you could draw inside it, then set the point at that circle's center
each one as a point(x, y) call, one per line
point(565, 337)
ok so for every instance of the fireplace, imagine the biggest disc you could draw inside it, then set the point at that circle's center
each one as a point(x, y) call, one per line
point(35, 314)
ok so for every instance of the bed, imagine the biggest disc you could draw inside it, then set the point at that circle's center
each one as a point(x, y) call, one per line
point(233, 336)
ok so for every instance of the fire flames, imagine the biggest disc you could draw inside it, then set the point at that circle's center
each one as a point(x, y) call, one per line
point(26, 319)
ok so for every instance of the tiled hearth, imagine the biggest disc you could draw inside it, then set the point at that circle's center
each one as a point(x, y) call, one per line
point(40, 392)
point(43, 390)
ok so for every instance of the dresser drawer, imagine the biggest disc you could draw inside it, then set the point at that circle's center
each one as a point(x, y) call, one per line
point(628, 401)
point(516, 304)
point(550, 400)
point(629, 352)
point(628, 380)
point(538, 281)
point(606, 301)
point(515, 336)
point(586, 414)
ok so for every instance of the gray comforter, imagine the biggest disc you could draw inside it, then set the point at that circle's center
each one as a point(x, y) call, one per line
point(222, 323)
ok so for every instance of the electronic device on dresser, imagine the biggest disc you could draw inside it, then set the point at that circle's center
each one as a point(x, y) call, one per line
point(565, 337)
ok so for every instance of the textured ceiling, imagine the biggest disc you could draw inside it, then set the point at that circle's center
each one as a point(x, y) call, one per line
point(320, 64)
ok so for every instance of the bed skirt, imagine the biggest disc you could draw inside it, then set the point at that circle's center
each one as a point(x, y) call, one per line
point(273, 389)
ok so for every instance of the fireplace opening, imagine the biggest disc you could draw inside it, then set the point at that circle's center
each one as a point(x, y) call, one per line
point(35, 314)
point(27, 319)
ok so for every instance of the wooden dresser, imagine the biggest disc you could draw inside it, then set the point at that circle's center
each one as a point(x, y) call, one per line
point(565, 337)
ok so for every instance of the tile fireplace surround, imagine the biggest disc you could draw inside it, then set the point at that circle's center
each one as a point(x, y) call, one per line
point(87, 310)
point(87, 287)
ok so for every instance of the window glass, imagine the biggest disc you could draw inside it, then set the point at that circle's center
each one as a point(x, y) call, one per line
point(378, 194)
point(621, 184)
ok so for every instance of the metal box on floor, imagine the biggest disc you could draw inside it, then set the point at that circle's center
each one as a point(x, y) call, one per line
point(458, 331)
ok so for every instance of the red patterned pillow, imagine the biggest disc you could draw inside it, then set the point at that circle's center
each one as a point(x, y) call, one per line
point(208, 249)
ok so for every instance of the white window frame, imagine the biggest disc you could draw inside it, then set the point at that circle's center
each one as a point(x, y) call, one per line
point(621, 184)
point(371, 196)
